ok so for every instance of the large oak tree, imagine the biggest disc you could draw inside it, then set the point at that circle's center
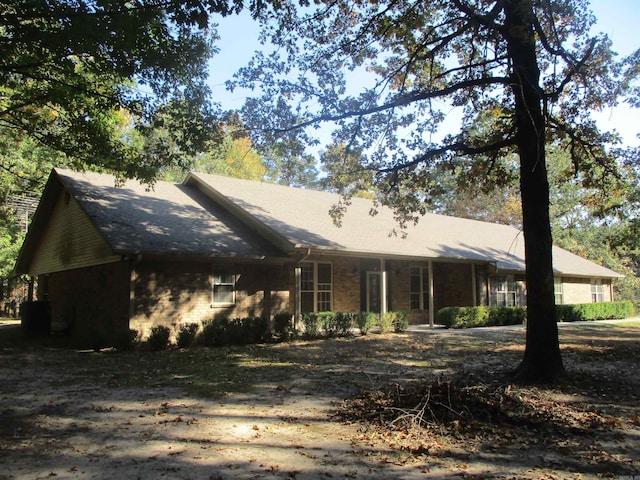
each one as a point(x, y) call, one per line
point(529, 67)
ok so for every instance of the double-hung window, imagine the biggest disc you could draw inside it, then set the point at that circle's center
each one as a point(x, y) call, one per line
point(597, 291)
point(223, 285)
point(503, 291)
point(419, 288)
point(316, 286)
point(557, 290)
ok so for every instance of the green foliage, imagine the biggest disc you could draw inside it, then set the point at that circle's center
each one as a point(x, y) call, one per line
point(344, 322)
point(539, 81)
point(187, 333)
point(463, 317)
point(365, 321)
point(507, 316)
point(159, 338)
point(213, 333)
point(393, 322)
point(73, 74)
point(468, 317)
point(594, 311)
point(400, 321)
point(237, 331)
point(329, 324)
point(283, 326)
point(312, 325)
point(386, 322)
point(127, 339)
point(335, 324)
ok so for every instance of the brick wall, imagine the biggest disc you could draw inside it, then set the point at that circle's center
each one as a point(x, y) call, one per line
point(173, 293)
point(452, 285)
point(346, 284)
point(578, 290)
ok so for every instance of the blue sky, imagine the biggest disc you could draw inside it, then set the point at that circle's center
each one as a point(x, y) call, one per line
point(620, 19)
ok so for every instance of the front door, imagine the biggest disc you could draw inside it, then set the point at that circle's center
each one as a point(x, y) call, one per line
point(373, 292)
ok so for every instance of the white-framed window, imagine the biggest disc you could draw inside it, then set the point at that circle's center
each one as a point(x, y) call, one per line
point(419, 288)
point(223, 285)
point(597, 291)
point(557, 291)
point(503, 291)
point(316, 286)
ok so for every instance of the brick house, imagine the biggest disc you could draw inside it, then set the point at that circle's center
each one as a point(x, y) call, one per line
point(118, 257)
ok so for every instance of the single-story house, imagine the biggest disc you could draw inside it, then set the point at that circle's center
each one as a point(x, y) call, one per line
point(126, 256)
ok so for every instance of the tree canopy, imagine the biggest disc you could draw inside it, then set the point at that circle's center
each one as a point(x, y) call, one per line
point(80, 76)
point(527, 70)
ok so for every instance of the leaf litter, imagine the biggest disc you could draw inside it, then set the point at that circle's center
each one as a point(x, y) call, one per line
point(381, 406)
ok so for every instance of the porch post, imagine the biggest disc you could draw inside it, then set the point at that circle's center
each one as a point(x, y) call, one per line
point(432, 312)
point(611, 291)
point(383, 287)
point(474, 285)
point(297, 309)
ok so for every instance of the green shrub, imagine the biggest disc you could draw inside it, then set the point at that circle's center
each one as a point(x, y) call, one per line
point(469, 317)
point(283, 326)
point(385, 322)
point(447, 316)
point(159, 337)
point(254, 329)
point(365, 321)
point(237, 332)
point(312, 326)
point(328, 323)
point(400, 321)
point(127, 339)
point(344, 322)
point(506, 316)
point(187, 334)
point(214, 332)
point(594, 311)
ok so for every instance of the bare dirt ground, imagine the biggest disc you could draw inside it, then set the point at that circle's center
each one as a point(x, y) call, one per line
point(316, 409)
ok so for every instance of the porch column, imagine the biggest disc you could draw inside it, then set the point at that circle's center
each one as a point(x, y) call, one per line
point(474, 285)
point(432, 310)
point(383, 287)
point(297, 308)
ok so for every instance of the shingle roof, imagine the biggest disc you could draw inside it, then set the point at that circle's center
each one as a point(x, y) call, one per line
point(168, 219)
point(301, 218)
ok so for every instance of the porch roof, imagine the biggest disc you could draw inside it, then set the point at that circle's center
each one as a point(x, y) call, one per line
point(301, 219)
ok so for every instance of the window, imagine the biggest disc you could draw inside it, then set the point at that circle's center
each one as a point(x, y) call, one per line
point(419, 287)
point(316, 287)
point(597, 291)
point(223, 288)
point(503, 291)
point(557, 290)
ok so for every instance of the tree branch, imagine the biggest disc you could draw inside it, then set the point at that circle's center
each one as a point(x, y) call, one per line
point(457, 147)
point(400, 101)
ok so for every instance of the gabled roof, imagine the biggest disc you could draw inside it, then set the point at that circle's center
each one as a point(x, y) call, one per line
point(215, 216)
point(300, 218)
point(133, 219)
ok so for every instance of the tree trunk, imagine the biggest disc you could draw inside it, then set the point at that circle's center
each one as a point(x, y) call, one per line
point(542, 361)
